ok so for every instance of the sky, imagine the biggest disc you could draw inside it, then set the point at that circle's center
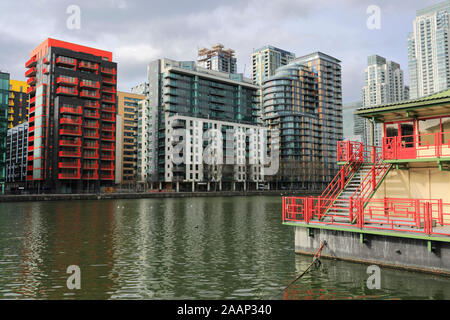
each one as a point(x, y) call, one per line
point(138, 32)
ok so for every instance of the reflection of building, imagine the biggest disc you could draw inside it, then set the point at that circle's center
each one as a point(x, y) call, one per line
point(127, 109)
point(4, 91)
point(217, 58)
point(303, 100)
point(72, 121)
point(184, 89)
point(18, 103)
point(16, 156)
point(235, 151)
point(428, 52)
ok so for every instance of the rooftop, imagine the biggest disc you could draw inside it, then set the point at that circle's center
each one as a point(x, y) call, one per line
point(434, 104)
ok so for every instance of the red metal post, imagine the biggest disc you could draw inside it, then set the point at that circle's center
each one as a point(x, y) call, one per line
point(373, 178)
point(440, 212)
point(373, 154)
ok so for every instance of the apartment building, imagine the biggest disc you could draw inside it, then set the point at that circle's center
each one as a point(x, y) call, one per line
point(266, 60)
point(181, 88)
point(16, 158)
point(303, 100)
point(428, 51)
point(384, 83)
point(18, 103)
point(126, 137)
point(217, 58)
point(72, 118)
point(4, 93)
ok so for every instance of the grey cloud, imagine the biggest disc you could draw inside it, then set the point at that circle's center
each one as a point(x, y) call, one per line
point(139, 31)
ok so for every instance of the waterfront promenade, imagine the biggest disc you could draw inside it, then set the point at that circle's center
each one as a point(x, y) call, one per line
point(155, 194)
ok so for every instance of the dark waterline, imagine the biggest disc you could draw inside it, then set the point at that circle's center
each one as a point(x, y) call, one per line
point(189, 248)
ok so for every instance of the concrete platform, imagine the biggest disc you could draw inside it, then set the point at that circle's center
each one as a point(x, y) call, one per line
point(398, 249)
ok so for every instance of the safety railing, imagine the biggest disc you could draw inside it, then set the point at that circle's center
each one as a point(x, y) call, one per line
point(370, 182)
point(420, 146)
point(424, 216)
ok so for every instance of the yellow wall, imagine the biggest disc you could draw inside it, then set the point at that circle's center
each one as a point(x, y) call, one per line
point(16, 84)
point(418, 183)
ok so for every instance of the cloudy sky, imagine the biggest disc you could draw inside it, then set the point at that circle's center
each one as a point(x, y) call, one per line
point(140, 31)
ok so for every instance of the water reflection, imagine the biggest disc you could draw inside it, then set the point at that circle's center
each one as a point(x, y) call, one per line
point(199, 248)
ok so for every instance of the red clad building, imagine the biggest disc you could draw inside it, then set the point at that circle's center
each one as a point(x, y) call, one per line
point(72, 118)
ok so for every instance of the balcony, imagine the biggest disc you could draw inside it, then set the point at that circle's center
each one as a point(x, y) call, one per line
point(71, 110)
point(109, 99)
point(417, 147)
point(70, 121)
point(31, 81)
point(108, 108)
point(108, 156)
point(90, 94)
point(92, 135)
point(108, 167)
point(91, 124)
point(109, 128)
point(107, 176)
point(109, 147)
point(90, 155)
point(31, 90)
point(88, 65)
point(45, 61)
point(32, 100)
point(30, 72)
point(70, 164)
point(67, 91)
point(31, 63)
point(70, 175)
point(111, 71)
point(45, 71)
point(110, 81)
point(93, 115)
point(70, 132)
point(70, 81)
point(90, 166)
point(70, 143)
point(90, 145)
point(90, 176)
point(92, 104)
point(71, 154)
point(65, 61)
point(109, 117)
point(90, 84)
point(111, 90)
point(108, 137)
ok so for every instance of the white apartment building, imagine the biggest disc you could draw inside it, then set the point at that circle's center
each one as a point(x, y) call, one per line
point(428, 52)
point(384, 83)
point(207, 153)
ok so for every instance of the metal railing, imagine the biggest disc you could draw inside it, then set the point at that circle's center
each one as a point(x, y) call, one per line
point(425, 216)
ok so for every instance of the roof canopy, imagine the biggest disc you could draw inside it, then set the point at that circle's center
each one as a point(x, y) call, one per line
point(437, 104)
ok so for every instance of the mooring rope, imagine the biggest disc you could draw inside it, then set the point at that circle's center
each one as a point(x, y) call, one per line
point(316, 262)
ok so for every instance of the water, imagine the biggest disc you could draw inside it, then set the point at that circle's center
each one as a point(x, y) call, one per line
point(198, 248)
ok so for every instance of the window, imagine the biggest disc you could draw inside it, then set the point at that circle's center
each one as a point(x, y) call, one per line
point(427, 130)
